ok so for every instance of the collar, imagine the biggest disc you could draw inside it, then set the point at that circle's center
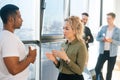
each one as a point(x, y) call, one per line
point(73, 42)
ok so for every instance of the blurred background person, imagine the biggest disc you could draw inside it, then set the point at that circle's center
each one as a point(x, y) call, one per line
point(109, 40)
point(88, 37)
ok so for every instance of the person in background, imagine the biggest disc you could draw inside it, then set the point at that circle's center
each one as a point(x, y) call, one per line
point(109, 40)
point(14, 61)
point(88, 37)
point(73, 55)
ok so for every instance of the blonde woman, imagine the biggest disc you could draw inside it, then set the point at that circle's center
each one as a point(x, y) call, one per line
point(73, 54)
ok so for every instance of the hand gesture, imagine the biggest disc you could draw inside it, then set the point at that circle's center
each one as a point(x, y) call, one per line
point(107, 40)
point(51, 57)
point(61, 54)
point(32, 54)
point(88, 37)
point(104, 40)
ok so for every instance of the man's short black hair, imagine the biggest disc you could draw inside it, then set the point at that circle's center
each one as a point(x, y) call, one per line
point(111, 14)
point(8, 10)
point(86, 14)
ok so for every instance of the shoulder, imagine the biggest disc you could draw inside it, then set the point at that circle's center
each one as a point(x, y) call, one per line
point(103, 28)
point(87, 28)
point(7, 37)
point(80, 44)
point(117, 29)
point(82, 48)
point(6, 34)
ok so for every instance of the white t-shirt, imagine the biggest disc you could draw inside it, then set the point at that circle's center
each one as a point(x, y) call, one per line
point(10, 45)
point(109, 34)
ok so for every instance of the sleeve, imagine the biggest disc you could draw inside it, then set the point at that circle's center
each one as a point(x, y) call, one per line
point(10, 48)
point(78, 67)
point(117, 42)
point(91, 36)
point(100, 35)
point(57, 65)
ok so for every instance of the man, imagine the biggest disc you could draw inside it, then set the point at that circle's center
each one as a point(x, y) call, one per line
point(88, 35)
point(109, 39)
point(14, 61)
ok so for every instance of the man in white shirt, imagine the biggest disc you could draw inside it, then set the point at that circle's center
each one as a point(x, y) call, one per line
point(14, 61)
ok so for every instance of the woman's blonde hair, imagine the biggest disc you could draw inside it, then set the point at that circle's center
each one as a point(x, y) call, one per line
point(77, 26)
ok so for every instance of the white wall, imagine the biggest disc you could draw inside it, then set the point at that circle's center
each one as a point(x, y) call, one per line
point(111, 6)
point(108, 6)
point(94, 12)
point(117, 11)
point(90, 6)
point(78, 7)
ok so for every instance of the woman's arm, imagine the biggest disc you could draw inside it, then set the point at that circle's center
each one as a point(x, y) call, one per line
point(81, 60)
point(51, 57)
point(73, 66)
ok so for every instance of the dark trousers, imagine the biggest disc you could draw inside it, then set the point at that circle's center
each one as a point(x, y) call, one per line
point(110, 66)
point(70, 77)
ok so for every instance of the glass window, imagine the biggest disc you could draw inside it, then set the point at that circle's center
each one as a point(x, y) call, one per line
point(30, 16)
point(47, 67)
point(52, 25)
point(53, 17)
point(34, 68)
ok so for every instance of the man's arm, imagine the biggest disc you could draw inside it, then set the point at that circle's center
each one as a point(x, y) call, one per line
point(15, 66)
point(90, 36)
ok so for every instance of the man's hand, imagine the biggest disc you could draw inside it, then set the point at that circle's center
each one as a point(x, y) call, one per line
point(32, 55)
point(88, 37)
point(104, 40)
point(109, 40)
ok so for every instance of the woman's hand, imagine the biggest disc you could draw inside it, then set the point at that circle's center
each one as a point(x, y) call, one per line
point(60, 54)
point(51, 57)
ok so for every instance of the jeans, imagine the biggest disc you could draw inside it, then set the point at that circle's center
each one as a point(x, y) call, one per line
point(110, 66)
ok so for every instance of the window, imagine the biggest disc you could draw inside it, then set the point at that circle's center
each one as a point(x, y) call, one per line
point(52, 30)
point(53, 17)
point(29, 13)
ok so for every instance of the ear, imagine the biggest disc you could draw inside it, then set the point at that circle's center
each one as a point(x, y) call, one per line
point(11, 19)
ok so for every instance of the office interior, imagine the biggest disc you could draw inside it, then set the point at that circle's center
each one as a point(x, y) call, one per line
point(43, 28)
